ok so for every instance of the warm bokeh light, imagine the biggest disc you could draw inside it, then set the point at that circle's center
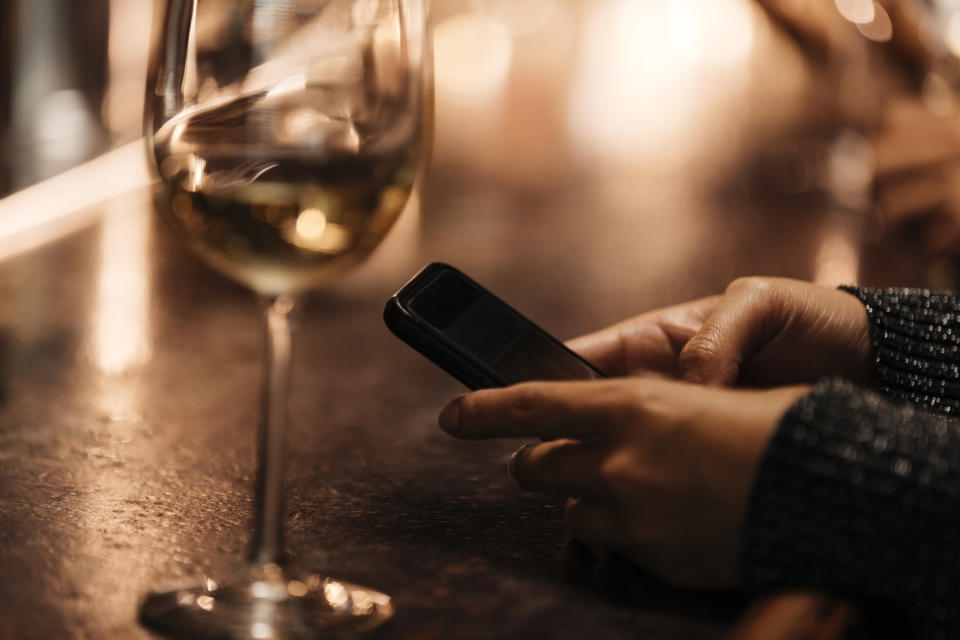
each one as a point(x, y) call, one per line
point(850, 170)
point(857, 11)
point(311, 225)
point(64, 129)
point(649, 72)
point(953, 34)
point(880, 28)
point(473, 54)
point(399, 251)
point(121, 334)
point(522, 17)
point(336, 594)
point(838, 260)
point(938, 96)
point(313, 232)
point(122, 109)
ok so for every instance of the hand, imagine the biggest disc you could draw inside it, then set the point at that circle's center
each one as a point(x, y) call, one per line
point(917, 156)
point(760, 332)
point(656, 469)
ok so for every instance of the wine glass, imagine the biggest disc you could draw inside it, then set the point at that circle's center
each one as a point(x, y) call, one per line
point(287, 136)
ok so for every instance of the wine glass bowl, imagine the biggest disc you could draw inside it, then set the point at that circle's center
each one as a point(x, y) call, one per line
point(286, 171)
point(287, 136)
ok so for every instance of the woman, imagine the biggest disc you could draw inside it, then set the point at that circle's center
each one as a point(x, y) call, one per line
point(718, 457)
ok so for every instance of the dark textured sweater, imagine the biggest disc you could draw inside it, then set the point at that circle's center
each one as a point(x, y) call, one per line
point(859, 491)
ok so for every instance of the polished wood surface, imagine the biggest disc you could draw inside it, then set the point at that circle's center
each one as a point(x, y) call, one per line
point(129, 373)
point(127, 426)
point(130, 377)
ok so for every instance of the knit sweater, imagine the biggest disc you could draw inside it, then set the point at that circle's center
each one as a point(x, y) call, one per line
point(859, 491)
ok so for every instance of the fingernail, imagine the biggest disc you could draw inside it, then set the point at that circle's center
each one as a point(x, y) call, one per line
point(450, 417)
point(514, 460)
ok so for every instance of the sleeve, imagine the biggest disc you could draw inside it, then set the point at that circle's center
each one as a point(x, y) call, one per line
point(916, 342)
point(861, 496)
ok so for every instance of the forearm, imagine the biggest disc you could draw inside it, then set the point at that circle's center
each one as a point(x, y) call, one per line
point(916, 345)
point(860, 496)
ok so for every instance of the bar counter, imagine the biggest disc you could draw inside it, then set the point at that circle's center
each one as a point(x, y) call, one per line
point(593, 159)
point(130, 376)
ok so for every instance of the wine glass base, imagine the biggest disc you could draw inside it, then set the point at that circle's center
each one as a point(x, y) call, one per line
point(266, 603)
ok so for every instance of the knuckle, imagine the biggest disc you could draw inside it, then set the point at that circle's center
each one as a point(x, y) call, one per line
point(634, 403)
point(706, 358)
point(525, 401)
point(750, 285)
point(755, 292)
point(700, 351)
point(479, 409)
point(625, 402)
point(609, 472)
point(615, 475)
point(703, 345)
point(642, 398)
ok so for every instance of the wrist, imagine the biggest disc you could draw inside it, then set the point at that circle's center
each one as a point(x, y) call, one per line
point(861, 352)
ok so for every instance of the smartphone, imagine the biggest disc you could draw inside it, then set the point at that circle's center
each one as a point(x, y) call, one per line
point(476, 337)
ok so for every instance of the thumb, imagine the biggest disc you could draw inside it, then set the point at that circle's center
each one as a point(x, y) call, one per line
point(734, 331)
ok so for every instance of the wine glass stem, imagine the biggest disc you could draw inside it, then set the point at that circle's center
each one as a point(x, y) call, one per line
point(267, 544)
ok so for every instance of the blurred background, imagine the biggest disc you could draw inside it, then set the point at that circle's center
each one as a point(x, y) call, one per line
point(672, 140)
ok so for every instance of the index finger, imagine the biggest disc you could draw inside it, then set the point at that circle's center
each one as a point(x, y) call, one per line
point(547, 410)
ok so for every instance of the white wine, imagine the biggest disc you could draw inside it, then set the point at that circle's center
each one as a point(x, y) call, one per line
point(281, 196)
point(287, 135)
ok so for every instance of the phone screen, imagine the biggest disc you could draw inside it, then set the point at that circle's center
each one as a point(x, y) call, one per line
point(495, 334)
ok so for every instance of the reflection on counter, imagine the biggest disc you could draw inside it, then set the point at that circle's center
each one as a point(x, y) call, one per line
point(122, 314)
